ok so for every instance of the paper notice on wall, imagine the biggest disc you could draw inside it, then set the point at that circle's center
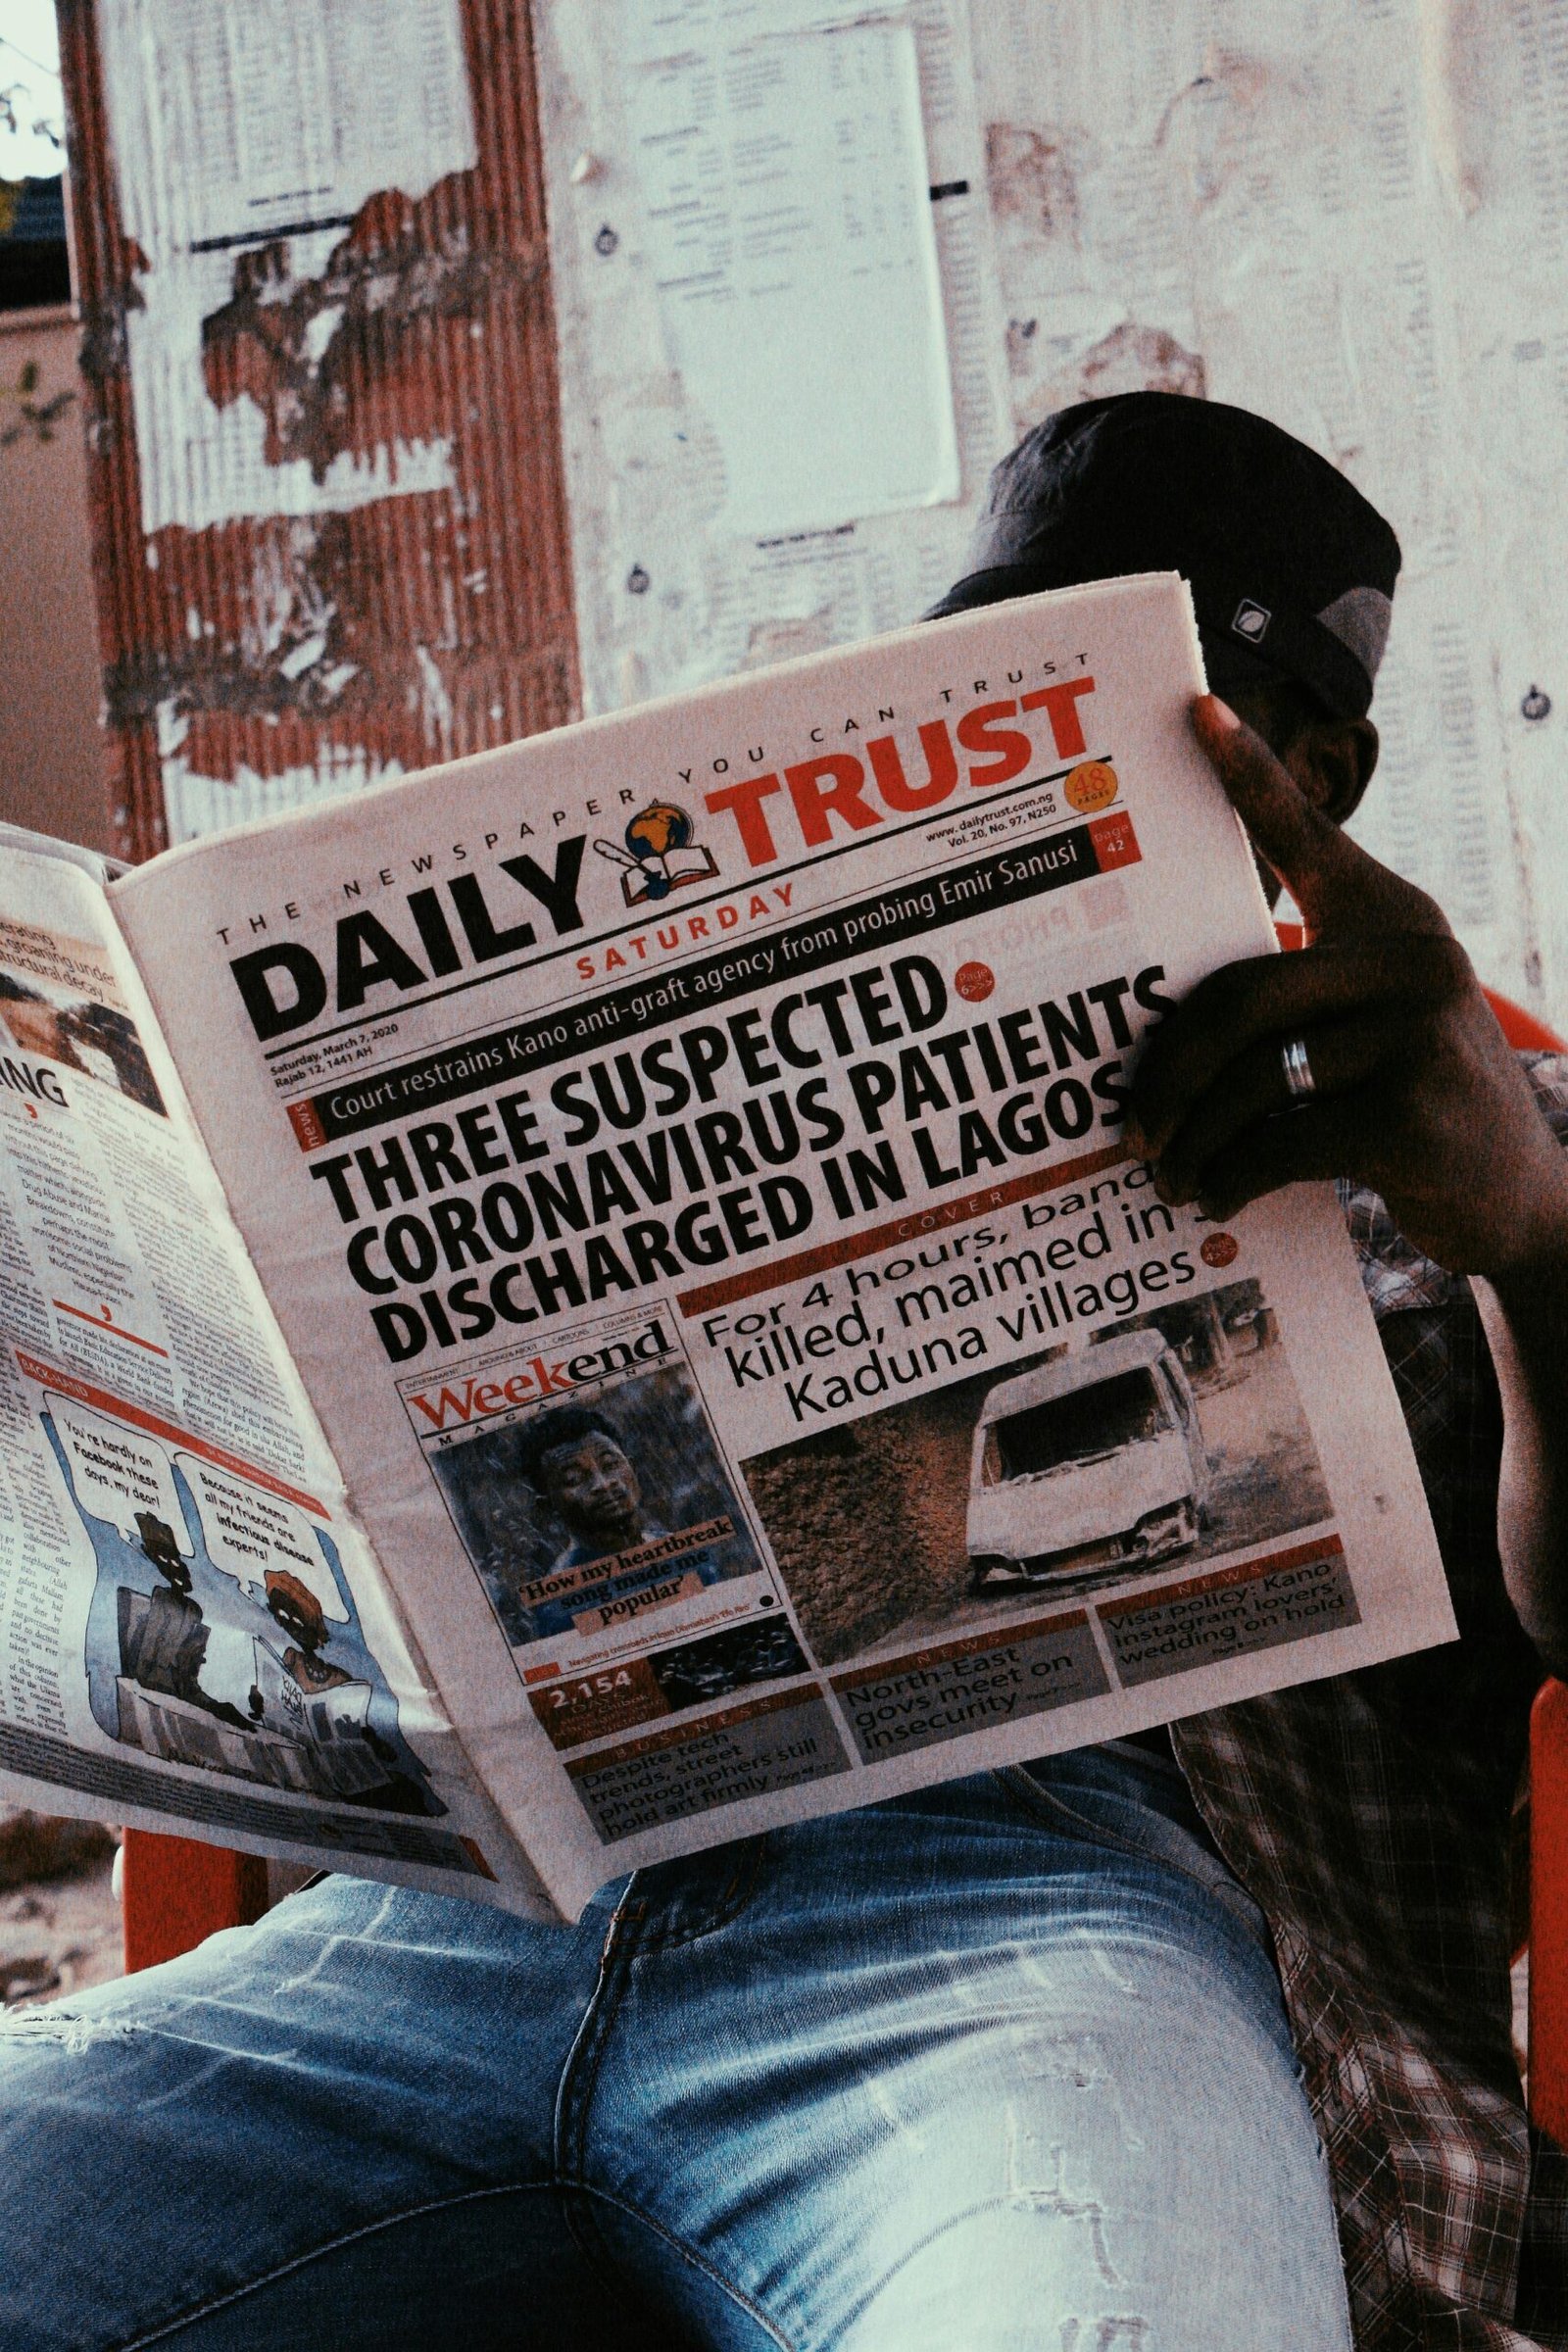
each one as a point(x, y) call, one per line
point(246, 140)
point(788, 228)
point(675, 585)
point(653, 30)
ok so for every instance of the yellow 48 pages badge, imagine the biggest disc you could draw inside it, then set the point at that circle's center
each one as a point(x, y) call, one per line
point(1090, 786)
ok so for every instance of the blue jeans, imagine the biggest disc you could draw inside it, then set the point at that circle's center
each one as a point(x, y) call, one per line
point(998, 2065)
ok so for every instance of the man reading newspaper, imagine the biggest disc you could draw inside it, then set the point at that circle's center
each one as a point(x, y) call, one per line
point(1196, 2043)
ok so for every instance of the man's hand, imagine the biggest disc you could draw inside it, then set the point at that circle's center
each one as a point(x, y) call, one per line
point(1416, 1090)
point(1416, 1093)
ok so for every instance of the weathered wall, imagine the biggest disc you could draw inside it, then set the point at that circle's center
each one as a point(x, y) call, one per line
point(51, 756)
point(1350, 215)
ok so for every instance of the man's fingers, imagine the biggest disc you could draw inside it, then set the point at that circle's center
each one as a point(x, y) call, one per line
point(1279, 997)
point(1334, 882)
point(1297, 841)
point(1319, 1140)
point(1342, 1057)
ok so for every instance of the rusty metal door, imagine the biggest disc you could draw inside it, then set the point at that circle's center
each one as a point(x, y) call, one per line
point(254, 659)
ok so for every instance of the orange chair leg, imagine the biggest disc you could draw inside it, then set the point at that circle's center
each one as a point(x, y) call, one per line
point(178, 1891)
point(1548, 1911)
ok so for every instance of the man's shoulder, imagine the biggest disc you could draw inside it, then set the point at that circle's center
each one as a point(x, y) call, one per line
point(1548, 1073)
point(1395, 1275)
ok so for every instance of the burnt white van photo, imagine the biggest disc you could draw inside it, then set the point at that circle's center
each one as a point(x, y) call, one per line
point(1167, 1441)
point(1093, 1463)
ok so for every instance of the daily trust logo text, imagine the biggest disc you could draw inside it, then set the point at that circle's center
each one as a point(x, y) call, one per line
point(457, 1402)
point(840, 793)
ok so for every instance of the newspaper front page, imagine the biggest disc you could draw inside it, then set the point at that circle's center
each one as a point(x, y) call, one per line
point(685, 1156)
point(193, 1633)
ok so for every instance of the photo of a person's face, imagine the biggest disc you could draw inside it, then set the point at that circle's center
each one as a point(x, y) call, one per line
point(595, 1490)
point(303, 1625)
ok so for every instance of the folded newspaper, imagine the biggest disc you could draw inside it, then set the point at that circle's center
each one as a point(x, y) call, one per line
point(595, 1300)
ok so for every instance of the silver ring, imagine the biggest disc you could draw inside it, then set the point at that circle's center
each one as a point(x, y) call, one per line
point(1298, 1079)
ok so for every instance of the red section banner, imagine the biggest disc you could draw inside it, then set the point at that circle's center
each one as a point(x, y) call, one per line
point(306, 1121)
point(1114, 841)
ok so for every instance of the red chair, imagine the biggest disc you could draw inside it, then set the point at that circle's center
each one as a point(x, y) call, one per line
point(1548, 1911)
point(176, 1893)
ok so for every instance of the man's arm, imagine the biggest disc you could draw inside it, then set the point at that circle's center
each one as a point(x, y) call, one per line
point(1416, 1093)
point(1526, 1320)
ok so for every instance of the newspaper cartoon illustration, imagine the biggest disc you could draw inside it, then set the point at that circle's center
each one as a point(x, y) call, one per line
point(190, 1662)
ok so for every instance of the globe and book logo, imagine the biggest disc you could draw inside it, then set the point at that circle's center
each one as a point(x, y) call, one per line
point(660, 854)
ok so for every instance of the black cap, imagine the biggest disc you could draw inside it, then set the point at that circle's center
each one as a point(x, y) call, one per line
point(1292, 571)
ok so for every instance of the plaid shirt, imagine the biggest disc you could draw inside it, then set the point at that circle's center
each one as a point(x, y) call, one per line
point(1369, 1816)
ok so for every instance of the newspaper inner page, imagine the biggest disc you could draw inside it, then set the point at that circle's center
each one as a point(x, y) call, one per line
point(685, 1156)
point(193, 1633)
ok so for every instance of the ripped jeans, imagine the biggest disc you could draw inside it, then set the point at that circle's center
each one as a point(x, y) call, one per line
point(1000, 2065)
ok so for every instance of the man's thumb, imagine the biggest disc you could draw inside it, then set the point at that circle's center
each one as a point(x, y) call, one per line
point(1333, 881)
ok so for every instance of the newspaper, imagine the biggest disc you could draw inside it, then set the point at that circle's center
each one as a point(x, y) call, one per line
point(631, 1318)
point(193, 1632)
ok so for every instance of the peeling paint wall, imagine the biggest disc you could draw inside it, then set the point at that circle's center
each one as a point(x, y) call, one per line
point(1350, 215)
point(318, 364)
